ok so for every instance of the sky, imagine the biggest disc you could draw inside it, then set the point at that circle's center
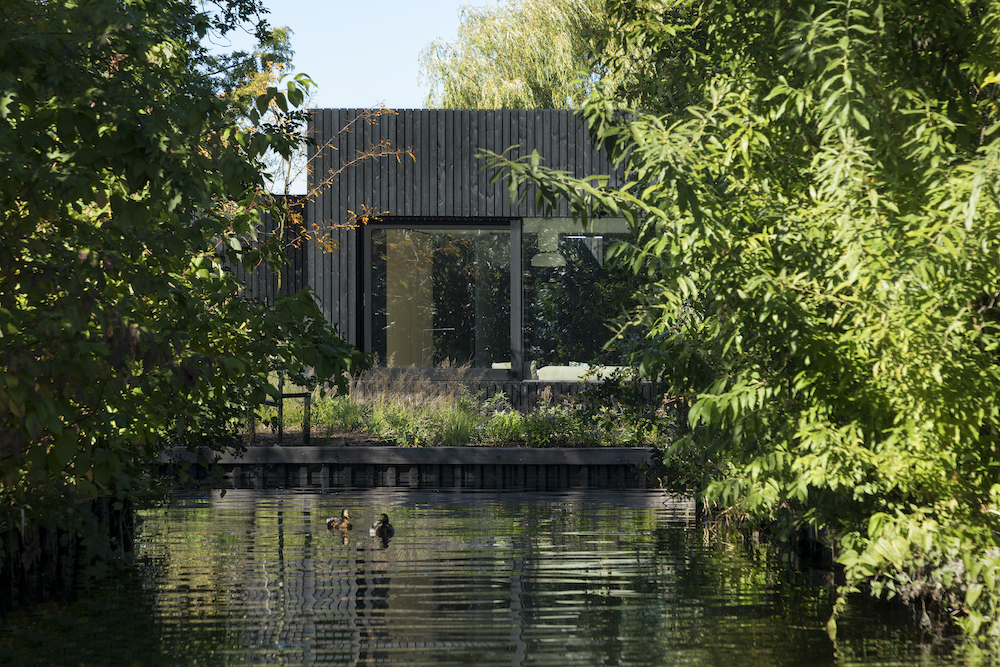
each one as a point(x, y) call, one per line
point(364, 53)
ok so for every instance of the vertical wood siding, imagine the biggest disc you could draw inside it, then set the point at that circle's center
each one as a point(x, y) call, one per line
point(444, 181)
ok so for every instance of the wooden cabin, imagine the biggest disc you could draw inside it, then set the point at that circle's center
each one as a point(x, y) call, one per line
point(431, 267)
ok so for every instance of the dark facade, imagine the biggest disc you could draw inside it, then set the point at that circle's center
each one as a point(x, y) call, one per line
point(451, 271)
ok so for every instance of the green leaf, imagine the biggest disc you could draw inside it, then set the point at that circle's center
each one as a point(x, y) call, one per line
point(972, 594)
point(64, 448)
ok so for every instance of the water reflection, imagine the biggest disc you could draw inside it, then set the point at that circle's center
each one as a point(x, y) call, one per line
point(469, 578)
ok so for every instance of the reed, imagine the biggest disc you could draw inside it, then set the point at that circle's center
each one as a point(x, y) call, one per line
point(404, 407)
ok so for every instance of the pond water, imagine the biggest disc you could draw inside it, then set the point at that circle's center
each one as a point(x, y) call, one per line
point(473, 578)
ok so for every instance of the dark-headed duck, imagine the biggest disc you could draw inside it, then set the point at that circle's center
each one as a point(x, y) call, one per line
point(382, 528)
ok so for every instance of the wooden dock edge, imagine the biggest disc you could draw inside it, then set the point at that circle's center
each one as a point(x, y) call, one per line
point(495, 468)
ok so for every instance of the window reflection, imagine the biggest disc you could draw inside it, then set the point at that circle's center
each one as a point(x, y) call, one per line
point(570, 295)
point(441, 297)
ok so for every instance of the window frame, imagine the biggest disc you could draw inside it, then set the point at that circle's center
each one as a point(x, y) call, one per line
point(511, 225)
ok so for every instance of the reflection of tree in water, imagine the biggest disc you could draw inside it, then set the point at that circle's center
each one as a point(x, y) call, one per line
point(90, 631)
point(733, 588)
point(371, 604)
point(536, 582)
point(577, 576)
point(568, 308)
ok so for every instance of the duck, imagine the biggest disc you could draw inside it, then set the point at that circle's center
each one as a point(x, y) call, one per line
point(343, 522)
point(382, 528)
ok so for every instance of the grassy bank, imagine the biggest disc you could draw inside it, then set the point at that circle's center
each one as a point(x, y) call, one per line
point(425, 414)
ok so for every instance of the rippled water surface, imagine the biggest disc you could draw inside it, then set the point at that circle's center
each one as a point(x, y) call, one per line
point(588, 578)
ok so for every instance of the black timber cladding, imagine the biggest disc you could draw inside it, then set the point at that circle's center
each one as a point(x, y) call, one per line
point(443, 181)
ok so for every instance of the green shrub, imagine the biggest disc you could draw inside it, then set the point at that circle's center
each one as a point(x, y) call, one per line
point(559, 426)
point(407, 427)
point(502, 427)
point(458, 425)
point(340, 413)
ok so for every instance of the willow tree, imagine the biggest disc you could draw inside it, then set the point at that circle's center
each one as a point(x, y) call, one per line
point(813, 190)
point(124, 189)
point(521, 54)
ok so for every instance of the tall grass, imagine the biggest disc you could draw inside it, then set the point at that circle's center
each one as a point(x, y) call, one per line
point(403, 407)
point(406, 407)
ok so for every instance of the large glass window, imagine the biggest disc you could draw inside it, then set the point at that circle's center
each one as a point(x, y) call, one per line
point(441, 297)
point(569, 296)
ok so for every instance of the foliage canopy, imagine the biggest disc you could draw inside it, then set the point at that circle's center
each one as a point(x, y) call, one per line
point(521, 54)
point(813, 190)
point(125, 191)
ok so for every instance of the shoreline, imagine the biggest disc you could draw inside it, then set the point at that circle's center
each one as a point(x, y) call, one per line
point(499, 468)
